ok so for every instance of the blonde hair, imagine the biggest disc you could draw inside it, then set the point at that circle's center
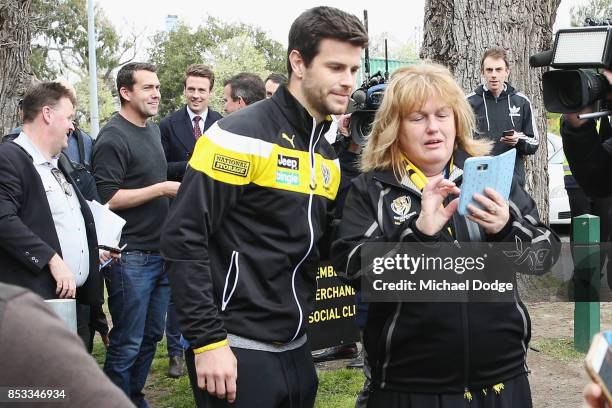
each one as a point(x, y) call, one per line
point(409, 89)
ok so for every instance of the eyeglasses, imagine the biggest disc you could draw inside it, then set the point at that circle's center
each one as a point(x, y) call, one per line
point(59, 176)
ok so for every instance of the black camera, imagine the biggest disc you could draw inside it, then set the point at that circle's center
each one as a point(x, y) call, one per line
point(366, 101)
point(574, 84)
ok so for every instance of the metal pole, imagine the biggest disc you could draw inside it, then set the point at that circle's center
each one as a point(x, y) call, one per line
point(93, 72)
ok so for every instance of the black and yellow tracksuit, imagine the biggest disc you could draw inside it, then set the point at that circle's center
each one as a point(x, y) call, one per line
point(241, 239)
point(438, 348)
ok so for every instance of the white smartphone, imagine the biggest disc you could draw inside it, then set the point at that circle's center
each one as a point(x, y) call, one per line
point(598, 362)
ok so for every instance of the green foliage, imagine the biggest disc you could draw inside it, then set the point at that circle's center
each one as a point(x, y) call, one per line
point(227, 48)
point(60, 49)
point(106, 103)
point(173, 52)
point(237, 54)
point(553, 122)
point(60, 43)
point(597, 9)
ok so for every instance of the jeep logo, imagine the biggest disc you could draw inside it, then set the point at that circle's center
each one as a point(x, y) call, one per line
point(287, 162)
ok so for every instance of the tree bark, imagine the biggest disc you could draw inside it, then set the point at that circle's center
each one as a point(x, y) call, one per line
point(456, 34)
point(15, 72)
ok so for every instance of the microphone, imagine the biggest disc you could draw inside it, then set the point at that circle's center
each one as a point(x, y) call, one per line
point(541, 59)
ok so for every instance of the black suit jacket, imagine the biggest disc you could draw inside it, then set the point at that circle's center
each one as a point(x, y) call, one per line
point(178, 141)
point(28, 239)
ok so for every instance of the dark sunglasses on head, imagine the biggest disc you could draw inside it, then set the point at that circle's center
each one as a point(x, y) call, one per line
point(59, 176)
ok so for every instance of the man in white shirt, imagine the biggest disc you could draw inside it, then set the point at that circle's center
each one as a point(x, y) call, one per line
point(47, 234)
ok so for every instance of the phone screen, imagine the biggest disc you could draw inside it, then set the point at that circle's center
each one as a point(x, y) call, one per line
point(599, 358)
point(605, 371)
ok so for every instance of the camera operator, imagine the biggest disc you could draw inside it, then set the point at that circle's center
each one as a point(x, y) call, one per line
point(589, 151)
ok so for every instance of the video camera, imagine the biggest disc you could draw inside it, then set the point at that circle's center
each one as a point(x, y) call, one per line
point(572, 86)
point(366, 100)
point(368, 97)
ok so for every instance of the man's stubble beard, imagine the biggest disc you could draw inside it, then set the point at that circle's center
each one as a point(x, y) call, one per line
point(318, 102)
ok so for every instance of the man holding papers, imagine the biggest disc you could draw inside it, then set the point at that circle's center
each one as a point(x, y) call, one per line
point(47, 234)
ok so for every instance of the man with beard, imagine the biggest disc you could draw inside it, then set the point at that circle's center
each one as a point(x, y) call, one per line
point(130, 171)
point(240, 241)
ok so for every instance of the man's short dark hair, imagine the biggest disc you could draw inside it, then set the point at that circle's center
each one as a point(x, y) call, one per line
point(495, 53)
point(44, 94)
point(321, 23)
point(248, 86)
point(125, 76)
point(277, 78)
point(202, 71)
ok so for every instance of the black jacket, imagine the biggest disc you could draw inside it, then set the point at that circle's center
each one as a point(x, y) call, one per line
point(589, 155)
point(436, 347)
point(510, 110)
point(240, 240)
point(178, 140)
point(28, 239)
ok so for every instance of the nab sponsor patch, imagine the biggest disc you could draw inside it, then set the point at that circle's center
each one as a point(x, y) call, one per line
point(288, 162)
point(231, 166)
point(287, 177)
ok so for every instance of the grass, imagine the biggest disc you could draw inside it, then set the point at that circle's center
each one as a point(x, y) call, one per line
point(337, 388)
point(561, 349)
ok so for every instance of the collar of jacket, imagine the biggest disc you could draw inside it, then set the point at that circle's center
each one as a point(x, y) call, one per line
point(387, 176)
point(483, 90)
point(296, 114)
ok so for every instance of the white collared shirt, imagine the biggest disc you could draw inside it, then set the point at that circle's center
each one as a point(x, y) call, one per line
point(202, 121)
point(65, 210)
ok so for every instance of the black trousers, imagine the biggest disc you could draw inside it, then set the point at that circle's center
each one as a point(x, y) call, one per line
point(265, 380)
point(515, 394)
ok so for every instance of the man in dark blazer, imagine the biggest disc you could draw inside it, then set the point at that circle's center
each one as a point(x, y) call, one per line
point(47, 234)
point(179, 132)
point(181, 129)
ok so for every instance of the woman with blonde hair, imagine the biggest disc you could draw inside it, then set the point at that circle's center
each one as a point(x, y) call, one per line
point(428, 354)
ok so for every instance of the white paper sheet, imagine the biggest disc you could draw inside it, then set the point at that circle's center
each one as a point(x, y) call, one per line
point(108, 224)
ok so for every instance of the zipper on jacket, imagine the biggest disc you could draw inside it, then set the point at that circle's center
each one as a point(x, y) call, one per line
point(313, 185)
point(233, 261)
point(388, 339)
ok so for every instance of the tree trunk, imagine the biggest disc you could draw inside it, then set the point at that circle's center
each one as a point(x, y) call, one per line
point(15, 72)
point(456, 34)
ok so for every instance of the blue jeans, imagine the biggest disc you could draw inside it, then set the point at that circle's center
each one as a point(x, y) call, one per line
point(138, 294)
point(173, 333)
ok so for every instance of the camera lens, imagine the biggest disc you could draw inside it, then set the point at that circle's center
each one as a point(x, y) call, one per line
point(570, 95)
point(361, 126)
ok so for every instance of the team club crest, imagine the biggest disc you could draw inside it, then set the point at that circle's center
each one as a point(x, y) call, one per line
point(326, 173)
point(401, 207)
